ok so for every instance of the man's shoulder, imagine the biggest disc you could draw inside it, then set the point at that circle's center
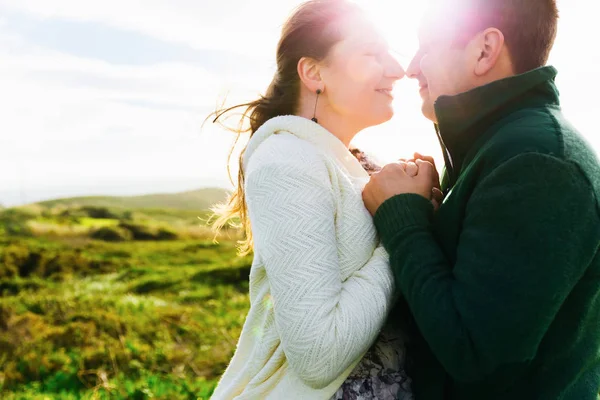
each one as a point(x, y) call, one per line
point(528, 130)
point(542, 131)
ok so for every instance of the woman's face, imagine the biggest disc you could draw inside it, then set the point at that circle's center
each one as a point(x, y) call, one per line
point(359, 74)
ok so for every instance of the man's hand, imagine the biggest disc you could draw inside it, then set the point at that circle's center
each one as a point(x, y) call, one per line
point(437, 194)
point(395, 179)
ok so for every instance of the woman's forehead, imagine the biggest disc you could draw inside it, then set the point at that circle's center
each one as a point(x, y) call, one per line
point(361, 32)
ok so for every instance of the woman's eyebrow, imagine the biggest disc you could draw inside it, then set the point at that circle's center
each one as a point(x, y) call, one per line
point(375, 44)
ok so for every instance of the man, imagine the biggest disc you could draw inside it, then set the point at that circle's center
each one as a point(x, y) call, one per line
point(503, 281)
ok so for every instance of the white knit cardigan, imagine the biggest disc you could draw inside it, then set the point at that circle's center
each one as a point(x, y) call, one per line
point(320, 286)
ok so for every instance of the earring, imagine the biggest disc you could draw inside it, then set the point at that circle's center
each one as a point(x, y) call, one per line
point(314, 118)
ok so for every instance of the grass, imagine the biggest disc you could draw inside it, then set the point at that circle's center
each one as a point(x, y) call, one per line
point(88, 319)
point(82, 318)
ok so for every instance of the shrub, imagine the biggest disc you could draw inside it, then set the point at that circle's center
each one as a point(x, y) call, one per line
point(144, 232)
point(201, 246)
point(165, 234)
point(16, 286)
point(112, 234)
point(230, 275)
point(152, 285)
point(17, 259)
point(12, 260)
point(138, 232)
point(13, 222)
point(99, 212)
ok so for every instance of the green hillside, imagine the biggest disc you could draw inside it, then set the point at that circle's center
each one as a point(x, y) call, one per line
point(200, 199)
point(110, 303)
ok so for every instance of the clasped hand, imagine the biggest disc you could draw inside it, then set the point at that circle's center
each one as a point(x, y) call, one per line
point(418, 176)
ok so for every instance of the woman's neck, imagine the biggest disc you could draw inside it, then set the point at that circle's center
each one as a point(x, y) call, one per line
point(341, 127)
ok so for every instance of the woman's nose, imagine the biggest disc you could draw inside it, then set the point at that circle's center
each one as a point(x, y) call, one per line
point(394, 69)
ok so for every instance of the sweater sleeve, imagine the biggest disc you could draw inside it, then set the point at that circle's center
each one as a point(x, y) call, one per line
point(529, 232)
point(325, 324)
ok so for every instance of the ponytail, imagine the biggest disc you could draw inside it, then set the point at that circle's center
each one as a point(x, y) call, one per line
point(276, 102)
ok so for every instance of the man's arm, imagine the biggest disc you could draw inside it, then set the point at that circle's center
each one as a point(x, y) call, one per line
point(530, 230)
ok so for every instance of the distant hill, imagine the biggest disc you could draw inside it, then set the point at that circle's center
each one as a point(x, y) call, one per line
point(201, 199)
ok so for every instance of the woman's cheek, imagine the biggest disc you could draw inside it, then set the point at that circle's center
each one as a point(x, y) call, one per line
point(362, 69)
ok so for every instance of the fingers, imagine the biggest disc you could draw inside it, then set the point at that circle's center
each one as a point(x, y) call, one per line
point(425, 168)
point(406, 160)
point(397, 168)
point(437, 195)
point(411, 169)
point(436, 175)
point(419, 156)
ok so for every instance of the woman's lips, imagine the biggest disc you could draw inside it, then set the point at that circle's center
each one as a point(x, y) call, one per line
point(386, 91)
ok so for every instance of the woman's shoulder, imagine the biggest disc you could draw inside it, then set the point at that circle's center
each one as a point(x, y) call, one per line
point(286, 150)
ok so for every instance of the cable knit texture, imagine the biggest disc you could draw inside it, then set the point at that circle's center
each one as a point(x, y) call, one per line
point(320, 286)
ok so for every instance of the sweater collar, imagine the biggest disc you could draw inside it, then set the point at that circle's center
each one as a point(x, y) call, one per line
point(463, 119)
point(309, 131)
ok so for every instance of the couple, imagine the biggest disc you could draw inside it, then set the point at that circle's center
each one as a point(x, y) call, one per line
point(384, 284)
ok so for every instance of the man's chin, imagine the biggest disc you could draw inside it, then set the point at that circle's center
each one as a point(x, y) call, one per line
point(428, 112)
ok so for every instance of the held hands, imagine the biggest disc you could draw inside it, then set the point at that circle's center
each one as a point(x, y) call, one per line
point(437, 196)
point(417, 176)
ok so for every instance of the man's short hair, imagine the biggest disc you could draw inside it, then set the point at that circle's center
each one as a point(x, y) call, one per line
point(529, 26)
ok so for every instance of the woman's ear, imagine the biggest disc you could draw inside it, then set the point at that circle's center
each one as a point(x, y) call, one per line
point(309, 73)
point(488, 48)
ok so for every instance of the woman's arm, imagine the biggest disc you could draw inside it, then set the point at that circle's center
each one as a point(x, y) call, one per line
point(325, 324)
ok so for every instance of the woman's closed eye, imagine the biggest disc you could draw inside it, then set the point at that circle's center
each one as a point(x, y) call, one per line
point(374, 53)
point(375, 49)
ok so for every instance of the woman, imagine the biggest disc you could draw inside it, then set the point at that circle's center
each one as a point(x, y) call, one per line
point(320, 286)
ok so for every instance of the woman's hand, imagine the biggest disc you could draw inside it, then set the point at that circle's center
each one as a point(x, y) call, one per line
point(411, 169)
point(394, 180)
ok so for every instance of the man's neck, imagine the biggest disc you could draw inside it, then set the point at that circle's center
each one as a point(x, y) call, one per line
point(464, 118)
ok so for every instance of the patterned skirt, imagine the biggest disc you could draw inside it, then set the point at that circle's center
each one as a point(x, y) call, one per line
point(380, 374)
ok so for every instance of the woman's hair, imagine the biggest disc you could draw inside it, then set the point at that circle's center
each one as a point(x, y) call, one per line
point(311, 31)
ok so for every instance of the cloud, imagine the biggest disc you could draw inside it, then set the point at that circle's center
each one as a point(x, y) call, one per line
point(229, 24)
point(69, 121)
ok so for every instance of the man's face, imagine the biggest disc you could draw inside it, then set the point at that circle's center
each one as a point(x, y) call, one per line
point(441, 65)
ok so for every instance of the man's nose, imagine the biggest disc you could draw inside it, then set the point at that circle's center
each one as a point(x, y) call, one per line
point(414, 68)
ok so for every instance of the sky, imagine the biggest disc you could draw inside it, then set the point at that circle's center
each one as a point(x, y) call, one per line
point(108, 98)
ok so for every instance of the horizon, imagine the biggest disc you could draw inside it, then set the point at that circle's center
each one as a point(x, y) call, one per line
point(109, 98)
point(109, 190)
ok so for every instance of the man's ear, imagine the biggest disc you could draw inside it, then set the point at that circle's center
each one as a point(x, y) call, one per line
point(309, 73)
point(488, 47)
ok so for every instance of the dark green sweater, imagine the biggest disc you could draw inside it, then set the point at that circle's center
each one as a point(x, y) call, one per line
point(503, 282)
